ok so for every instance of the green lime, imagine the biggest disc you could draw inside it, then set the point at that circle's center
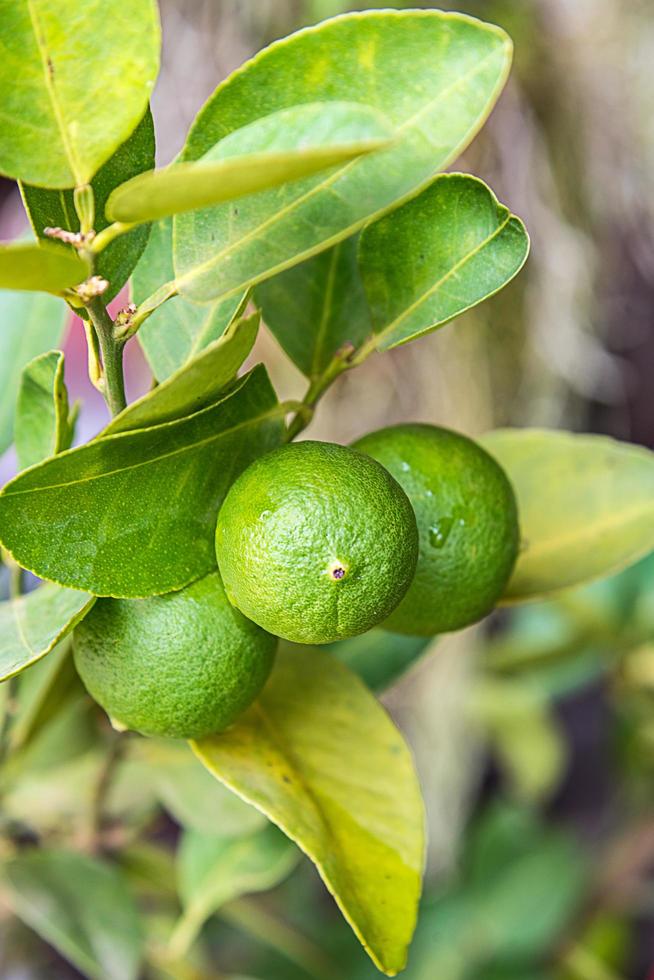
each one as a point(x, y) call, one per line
point(316, 542)
point(185, 664)
point(467, 520)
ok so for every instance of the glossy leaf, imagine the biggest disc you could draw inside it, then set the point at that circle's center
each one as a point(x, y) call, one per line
point(195, 385)
point(443, 252)
point(32, 624)
point(379, 657)
point(317, 307)
point(284, 146)
point(134, 514)
point(40, 268)
point(30, 323)
point(191, 794)
point(456, 67)
point(320, 757)
point(214, 870)
point(43, 424)
point(79, 905)
point(178, 330)
point(56, 209)
point(86, 76)
point(585, 502)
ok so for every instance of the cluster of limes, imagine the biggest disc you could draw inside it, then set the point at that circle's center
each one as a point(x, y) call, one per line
point(414, 528)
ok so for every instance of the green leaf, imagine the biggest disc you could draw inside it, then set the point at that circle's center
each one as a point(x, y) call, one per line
point(284, 146)
point(79, 905)
point(86, 76)
point(191, 795)
point(317, 307)
point(585, 502)
point(178, 330)
point(133, 514)
point(40, 268)
point(434, 75)
point(214, 870)
point(31, 323)
point(43, 423)
point(32, 624)
point(195, 385)
point(442, 253)
point(320, 757)
point(56, 209)
point(380, 657)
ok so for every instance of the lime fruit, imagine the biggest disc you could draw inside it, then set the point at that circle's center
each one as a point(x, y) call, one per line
point(316, 542)
point(467, 520)
point(183, 665)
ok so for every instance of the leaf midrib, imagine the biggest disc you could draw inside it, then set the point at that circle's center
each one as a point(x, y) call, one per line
point(71, 155)
point(389, 328)
point(189, 447)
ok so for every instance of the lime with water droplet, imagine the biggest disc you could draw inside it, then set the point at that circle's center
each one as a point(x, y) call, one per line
point(467, 521)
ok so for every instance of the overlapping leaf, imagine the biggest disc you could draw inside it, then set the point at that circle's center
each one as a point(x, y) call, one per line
point(56, 209)
point(32, 624)
point(191, 794)
point(86, 76)
point(178, 330)
point(320, 757)
point(586, 506)
point(133, 514)
point(79, 905)
point(317, 307)
point(40, 268)
point(284, 146)
point(30, 323)
point(195, 385)
point(214, 870)
point(436, 77)
point(443, 252)
point(44, 425)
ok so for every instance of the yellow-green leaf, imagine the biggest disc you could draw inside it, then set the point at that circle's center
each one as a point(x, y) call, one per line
point(75, 79)
point(40, 268)
point(322, 759)
point(585, 503)
point(284, 146)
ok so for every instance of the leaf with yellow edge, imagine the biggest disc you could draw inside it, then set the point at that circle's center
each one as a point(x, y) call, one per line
point(321, 758)
point(585, 503)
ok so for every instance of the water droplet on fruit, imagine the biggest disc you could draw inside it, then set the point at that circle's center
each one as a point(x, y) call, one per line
point(264, 515)
point(405, 467)
point(440, 532)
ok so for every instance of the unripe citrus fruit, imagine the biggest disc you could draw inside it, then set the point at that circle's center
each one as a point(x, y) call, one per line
point(467, 520)
point(316, 542)
point(185, 664)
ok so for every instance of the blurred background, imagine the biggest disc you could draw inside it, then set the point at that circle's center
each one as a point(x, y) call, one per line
point(533, 732)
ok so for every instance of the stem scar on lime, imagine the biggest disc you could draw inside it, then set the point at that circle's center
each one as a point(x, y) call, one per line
point(335, 517)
